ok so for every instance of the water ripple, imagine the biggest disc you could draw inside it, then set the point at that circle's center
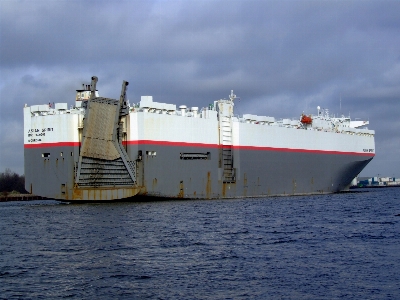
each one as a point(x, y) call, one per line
point(316, 247)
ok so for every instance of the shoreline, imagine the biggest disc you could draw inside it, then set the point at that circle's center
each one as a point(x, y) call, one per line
point(20, 197)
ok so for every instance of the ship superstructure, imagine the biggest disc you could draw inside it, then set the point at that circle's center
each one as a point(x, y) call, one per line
point(106, 149)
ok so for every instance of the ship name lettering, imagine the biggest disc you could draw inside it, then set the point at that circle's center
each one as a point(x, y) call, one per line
point(38, 132)
point(368, 150)
point(32, 130)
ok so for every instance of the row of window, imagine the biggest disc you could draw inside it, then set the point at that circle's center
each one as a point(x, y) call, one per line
point(186, 156)
point(61, 154)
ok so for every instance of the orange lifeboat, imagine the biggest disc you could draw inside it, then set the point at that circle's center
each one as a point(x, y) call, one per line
point(306, 119)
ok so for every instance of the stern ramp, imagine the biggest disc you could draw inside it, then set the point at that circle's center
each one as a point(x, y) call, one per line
point(105, 171)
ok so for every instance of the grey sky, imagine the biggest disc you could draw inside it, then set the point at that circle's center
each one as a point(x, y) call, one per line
point(280, 57)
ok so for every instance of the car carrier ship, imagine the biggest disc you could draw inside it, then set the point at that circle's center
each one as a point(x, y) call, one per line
point(103, 149)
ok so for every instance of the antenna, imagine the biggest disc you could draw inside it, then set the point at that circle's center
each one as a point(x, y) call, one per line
point(232, 96)
point(340, 103)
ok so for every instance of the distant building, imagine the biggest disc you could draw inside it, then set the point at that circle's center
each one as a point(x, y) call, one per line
point(377, 181)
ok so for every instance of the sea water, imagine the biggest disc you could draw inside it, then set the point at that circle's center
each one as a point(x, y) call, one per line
point(339, 246)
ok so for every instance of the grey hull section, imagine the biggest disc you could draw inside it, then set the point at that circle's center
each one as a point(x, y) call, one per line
point(257, 173)
point(49, 172)
point(193, 172)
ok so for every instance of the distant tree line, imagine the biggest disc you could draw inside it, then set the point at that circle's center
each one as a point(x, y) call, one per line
point(11, 182)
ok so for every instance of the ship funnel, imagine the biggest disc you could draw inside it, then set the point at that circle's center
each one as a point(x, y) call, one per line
point(93, 87)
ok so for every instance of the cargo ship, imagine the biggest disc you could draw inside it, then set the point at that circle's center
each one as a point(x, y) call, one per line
point(104, 149)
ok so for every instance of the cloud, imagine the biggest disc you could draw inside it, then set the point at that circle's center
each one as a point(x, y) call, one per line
point(280, 57)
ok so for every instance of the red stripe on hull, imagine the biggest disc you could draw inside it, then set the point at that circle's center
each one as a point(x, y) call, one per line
point(173, 144)
point(50, 145)
point(200, 145)
point(302, 150)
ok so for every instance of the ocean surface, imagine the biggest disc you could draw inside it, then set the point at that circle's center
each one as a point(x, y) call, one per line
point(340, 246)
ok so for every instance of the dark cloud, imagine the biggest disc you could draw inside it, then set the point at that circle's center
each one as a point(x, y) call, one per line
point(280, 57)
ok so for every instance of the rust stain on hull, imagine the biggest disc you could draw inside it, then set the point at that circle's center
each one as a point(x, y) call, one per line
point(223, 190)
point(208, 186)
point(154, 183)
point(181, 190)
point(102, 194)
point(245, 186)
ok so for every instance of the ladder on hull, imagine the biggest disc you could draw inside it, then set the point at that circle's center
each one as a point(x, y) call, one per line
point(228, 171)
point(226, 153)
